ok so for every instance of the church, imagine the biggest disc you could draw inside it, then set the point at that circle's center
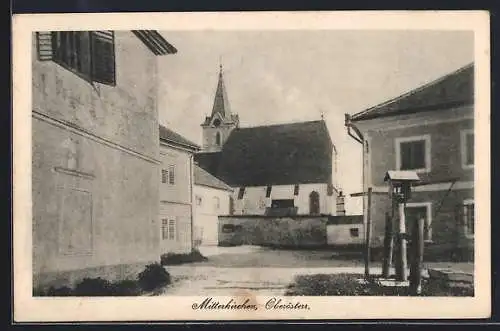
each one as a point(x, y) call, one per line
point(274, 170)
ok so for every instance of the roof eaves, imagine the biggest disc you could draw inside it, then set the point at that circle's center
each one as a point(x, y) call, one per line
point(155, 42)
point(365, 114)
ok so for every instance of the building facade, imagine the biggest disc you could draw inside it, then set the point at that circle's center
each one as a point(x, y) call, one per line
point(431, 131)
point(176, 211)
point(213, 198)
point(274, 169)
point(95, 150)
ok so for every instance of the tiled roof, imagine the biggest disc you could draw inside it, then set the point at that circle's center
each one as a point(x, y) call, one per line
point(202, 177)
point(296, 153)
point(452, 90)
point(169, 136)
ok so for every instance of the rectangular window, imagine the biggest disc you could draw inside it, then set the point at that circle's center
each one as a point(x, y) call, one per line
point(413, 153)
point(171, 174)
point(171, 229)
point(416, 211)
point(268, 191)
point(467, 148)
point(89, 54)
point(296, 190)
point(241, 193)
point(168, 229)
point(164, 176)
point(469, 219)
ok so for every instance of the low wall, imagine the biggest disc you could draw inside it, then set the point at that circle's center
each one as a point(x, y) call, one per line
point(287, 231)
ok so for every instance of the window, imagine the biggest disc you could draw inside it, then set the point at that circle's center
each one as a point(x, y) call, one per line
point(89, 54)
point(469, 219)
point(296, 190)
point(171, 174)
point(467, 148)
point(168, 229)
point(268, 191)
point(282, 203)
point(217, 139)
point(413, 153)
point(216, 201)
point(231, 205)
point(241, 193)
point(354, 232)
point(199, 200)
point(164, 176)
point(419, 210)
point(314, 203)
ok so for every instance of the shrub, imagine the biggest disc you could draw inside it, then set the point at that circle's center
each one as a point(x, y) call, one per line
point(176, 258)
point(153, 277)
point(93, 287)
point(63, 291)
point(126, 288)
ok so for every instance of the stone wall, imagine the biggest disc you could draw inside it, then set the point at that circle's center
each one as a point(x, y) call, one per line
point(294, 231)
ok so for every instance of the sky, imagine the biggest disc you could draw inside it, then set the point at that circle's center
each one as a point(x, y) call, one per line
point(288, 76)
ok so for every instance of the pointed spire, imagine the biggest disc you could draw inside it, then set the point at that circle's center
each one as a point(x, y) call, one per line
point(221, 102)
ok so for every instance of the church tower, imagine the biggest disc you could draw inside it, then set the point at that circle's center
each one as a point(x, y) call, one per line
point(218, 126)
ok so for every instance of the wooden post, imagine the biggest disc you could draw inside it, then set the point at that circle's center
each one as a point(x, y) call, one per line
point(388, 244)
point(368, 233)
point(417, 257)
point(402, 272)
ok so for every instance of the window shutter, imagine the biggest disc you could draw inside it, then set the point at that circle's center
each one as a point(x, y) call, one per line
point(44, 46)
point(103, 57)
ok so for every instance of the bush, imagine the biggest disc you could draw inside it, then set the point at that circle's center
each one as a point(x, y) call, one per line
point(126, 288)
point(93, 287)
point(176, 258)
point(153, 277)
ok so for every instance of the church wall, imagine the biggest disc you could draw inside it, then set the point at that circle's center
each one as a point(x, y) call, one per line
point(254, 201)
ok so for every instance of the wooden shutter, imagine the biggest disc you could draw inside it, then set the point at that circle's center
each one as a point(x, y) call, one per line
point(103, 57)
point(44, 46)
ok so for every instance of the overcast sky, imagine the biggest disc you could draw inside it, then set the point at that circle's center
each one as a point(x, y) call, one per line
point(289, 76)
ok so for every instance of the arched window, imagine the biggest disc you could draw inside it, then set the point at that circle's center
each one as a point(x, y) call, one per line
point(314, 203)
point(231, 205)
point(217, 139)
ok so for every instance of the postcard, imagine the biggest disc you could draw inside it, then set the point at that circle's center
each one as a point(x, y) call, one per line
point(251, 166)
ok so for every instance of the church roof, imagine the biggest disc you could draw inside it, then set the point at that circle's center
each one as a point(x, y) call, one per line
point(452, 90)
point(204, 178)
point(295, 153)
point(169, 136)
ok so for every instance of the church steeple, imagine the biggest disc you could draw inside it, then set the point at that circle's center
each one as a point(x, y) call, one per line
point(221, 102)
point(218, 126)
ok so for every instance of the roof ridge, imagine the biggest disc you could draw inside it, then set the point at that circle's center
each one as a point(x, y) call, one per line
point(280, 124)
point(415, 90)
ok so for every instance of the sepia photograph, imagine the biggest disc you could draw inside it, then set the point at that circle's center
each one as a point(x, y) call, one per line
point(241, 173)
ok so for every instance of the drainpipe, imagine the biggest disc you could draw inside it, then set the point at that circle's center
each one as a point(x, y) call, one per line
point(354, 132)
point(191, 188)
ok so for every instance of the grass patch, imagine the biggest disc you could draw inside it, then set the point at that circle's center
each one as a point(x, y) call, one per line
point(349, 285)
point(176, 258)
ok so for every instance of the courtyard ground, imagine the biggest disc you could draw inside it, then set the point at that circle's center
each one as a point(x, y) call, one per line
point(264, 271)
